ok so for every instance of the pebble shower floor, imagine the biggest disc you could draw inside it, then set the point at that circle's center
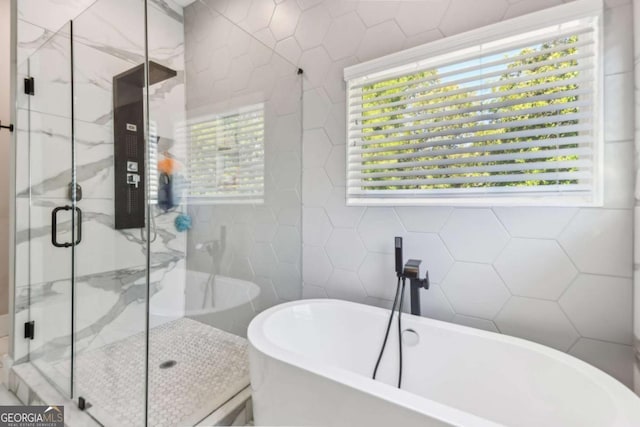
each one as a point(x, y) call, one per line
point(211, 366)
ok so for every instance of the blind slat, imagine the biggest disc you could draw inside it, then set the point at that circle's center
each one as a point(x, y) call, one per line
point(553, 142)
point(357, 148)
point(462, 191)
point(470, 129)
point(364, 98)
point(556, 176)
point(471, 99)
point(585, 32)
point(503, 167)
point(491, 64)
point(357, 165)
point(493, 115)
point(549, 97)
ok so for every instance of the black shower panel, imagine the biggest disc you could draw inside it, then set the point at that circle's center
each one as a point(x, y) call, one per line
point(129, 142)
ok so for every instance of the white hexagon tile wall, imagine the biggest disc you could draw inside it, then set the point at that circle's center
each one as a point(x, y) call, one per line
point(228, 69)
point(558, 276)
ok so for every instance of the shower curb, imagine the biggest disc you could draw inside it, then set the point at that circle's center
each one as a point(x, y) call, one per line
point(237, 411)
point(31, 388)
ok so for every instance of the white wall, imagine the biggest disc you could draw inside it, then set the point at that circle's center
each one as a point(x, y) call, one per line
point(558, 276)
point(5, 146)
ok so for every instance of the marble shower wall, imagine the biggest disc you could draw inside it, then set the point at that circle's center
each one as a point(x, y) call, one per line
point(110, 264)
point(227, 68)
point(558, 276)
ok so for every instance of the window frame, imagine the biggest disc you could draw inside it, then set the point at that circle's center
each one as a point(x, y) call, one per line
point(388, 65)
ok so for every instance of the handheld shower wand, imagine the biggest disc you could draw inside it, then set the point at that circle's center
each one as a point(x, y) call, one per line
point(411, 271)
point(399, 272)
point(398, 243)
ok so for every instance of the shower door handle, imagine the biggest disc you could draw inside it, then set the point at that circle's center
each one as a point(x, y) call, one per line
point(54, 227)
point(78, 226)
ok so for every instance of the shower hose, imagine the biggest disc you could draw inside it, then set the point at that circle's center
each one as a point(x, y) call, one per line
point(399, 293)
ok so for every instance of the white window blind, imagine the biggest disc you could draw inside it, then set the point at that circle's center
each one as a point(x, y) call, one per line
point(510, 118)
point(226, 157)
point(152, 169)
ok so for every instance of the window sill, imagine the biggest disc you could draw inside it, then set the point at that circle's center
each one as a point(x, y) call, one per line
point(542, 201)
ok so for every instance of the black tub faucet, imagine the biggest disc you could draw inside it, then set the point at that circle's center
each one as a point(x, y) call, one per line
point(411, 271)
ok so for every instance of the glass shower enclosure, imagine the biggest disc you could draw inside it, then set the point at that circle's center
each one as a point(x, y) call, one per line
point(44, 284)
point(158, 207)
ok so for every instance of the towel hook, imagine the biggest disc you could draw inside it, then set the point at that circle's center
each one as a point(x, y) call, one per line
point(10, 127)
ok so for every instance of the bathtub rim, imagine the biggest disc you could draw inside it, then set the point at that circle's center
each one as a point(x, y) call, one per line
point(254, 288)
point(622, 397)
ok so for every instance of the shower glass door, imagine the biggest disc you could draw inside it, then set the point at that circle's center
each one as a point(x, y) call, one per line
point(46, 114)
point(111, 262)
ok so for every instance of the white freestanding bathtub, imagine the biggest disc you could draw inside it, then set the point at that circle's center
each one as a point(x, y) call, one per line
point(311, 364)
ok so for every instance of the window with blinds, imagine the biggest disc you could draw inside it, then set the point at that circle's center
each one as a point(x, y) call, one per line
point(226, 157)
point(508, 119)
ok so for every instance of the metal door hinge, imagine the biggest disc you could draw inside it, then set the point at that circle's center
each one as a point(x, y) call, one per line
point(83, 404)
point(9, 128)
point(29, 86)
point(29, 329)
